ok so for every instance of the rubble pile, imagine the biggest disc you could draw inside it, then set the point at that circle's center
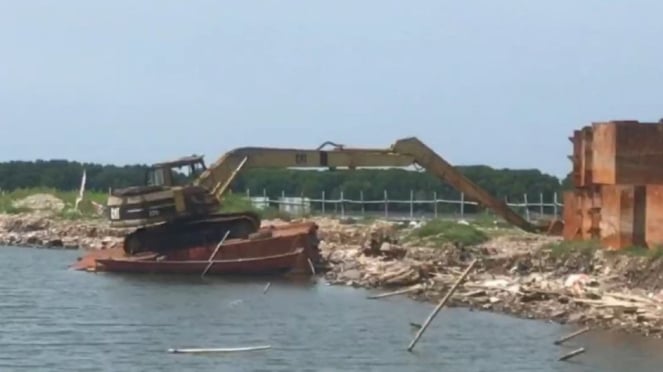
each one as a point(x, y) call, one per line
point(41, 230)
point(516, 274)
point(351, 266)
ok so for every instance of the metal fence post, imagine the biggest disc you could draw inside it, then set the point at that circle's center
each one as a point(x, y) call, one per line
point(302, 203)
point(435, 203)
point(462, 205)
point(411, 204)
point(342, 206)
point(386, 205)
point(555, 204)
point(322, 202)
point(526, 207)
point(282, 203)
point(361, 198)
point(541, 204)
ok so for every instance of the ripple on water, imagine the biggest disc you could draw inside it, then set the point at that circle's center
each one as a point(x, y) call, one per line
point(56, 319)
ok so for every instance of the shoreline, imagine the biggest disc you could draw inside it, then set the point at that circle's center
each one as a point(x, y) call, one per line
point(516, 274)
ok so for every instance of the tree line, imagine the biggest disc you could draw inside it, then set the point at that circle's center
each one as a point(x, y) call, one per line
point(501, 183)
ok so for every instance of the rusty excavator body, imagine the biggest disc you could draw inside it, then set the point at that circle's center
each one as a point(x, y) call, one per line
point(177, 208)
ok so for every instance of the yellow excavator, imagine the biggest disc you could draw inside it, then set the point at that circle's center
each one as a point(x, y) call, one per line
point(180, 201)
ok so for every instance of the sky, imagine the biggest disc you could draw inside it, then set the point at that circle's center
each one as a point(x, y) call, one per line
point(501, 83)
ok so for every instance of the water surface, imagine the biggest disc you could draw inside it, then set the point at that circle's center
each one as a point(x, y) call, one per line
point(57, 319)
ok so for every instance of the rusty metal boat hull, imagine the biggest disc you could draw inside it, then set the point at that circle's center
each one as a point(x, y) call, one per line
point(275, 264)
point(289, 248)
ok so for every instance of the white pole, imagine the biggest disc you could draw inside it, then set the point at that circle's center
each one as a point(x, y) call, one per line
point(462, 205)
point(526, 206)
point(435, 203)
point(323, 202)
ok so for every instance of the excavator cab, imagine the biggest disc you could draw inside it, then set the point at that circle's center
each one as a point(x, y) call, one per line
point(175, 173)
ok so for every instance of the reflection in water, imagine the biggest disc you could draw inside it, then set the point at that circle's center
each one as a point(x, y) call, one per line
point(55, 319)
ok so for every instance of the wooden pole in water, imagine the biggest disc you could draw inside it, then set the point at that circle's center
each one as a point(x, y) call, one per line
point(572, 354)
point(441, 304)
point(219, 349)
point(211, 258)
point(310, 265)
point(572, 335)
point(395, 293)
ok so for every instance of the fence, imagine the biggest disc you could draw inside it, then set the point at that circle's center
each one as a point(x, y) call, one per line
point(416, 208)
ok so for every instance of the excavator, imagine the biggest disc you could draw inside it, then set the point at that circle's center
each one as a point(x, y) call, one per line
point(180, 201)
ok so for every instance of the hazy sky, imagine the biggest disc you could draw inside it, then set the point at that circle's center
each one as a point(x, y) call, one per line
point(502, 83)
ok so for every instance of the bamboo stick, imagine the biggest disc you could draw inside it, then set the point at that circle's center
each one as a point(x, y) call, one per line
point(572, 335)
point(219, 350)
point(211, 257)
point(395, 293)
point(572, 354)
point(311, 267)
point(441, 304)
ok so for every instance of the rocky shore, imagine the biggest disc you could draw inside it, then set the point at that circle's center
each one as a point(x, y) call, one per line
point(521, 274)
point(42, 230)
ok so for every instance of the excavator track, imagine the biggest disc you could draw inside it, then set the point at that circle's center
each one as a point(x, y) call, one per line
point(192, 231)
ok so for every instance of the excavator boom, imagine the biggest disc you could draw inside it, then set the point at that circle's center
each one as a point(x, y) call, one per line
point(405, 152)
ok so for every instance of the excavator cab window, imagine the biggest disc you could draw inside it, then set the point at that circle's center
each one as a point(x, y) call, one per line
point(187, 173)
point(155, 177)
point(175, 173)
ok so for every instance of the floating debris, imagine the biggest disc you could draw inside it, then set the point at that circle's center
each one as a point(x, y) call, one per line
point(219, 350)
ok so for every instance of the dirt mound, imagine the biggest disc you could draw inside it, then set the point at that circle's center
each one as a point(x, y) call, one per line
point(40, 202)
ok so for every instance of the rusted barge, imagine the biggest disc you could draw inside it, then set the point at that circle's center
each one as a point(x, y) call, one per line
point(284, 249)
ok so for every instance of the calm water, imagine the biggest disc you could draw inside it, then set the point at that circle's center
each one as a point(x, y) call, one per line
point(57, 319)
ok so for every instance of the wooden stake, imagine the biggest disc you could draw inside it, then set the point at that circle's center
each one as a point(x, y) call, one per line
point(266, 288)
point(441, 304)
point(572, 335)
point(572, 354)
point(211, 258)
point(310, 265)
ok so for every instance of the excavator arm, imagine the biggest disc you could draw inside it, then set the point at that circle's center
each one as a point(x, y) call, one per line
point(405, 152)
